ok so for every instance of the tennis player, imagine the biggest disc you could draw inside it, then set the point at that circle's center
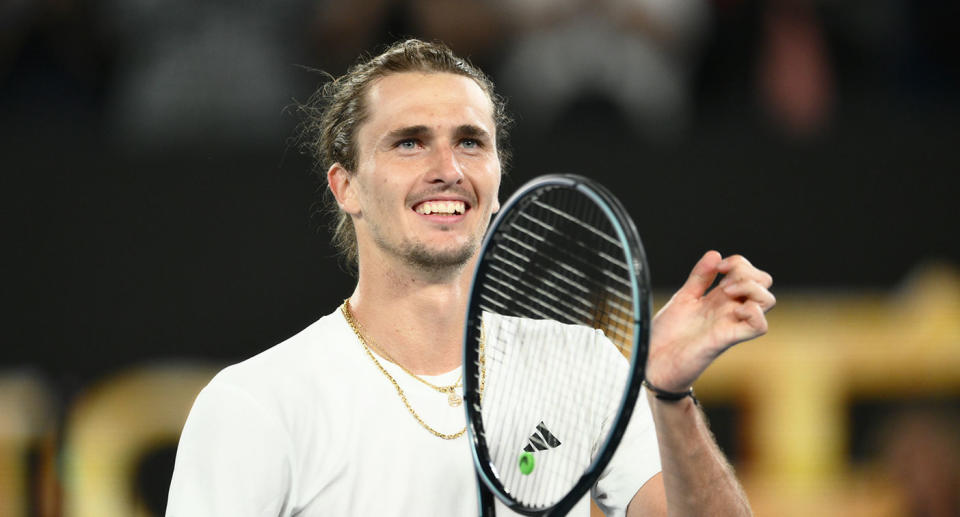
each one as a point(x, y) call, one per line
point(359, 413)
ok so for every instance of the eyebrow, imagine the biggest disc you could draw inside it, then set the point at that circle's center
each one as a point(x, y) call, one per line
point(407, 132)
point(471, 131)
point(462, 131)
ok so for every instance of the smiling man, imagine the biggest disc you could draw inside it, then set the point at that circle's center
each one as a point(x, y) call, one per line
point(427, 174)
point(359, 413)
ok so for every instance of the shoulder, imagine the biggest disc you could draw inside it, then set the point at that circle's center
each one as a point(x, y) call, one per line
point(287, 383)
point(301, 358)
point(256, 416)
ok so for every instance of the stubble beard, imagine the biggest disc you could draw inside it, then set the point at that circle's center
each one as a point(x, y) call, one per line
point(419, 256)
point(434, 261)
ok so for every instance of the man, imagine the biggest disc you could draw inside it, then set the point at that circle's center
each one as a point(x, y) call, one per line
point(356, 414)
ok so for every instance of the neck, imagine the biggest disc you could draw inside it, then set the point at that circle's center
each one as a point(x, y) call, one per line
point(415, 317)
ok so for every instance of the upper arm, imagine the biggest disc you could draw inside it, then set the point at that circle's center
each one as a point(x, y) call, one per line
point(233, 458)
point(650, 500)
point(636, 463)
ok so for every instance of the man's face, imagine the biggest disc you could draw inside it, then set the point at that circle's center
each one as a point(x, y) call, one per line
point(428, 172)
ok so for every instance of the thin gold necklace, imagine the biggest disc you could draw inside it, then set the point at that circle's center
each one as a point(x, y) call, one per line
point(453, 398)
point(347, 315)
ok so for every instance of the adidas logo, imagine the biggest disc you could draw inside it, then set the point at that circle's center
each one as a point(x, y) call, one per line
point(541, 439)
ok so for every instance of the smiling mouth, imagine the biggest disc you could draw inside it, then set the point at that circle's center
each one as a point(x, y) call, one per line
point(441, 208)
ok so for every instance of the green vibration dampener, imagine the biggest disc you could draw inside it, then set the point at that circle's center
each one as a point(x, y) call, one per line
point(526, 463)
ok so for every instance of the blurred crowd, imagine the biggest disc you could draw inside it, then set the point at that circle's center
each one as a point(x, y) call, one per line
point(159, 72)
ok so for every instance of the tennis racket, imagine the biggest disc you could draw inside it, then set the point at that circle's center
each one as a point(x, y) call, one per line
point(555, 345)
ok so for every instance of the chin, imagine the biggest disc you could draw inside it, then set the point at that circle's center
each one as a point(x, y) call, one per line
point(422, 256)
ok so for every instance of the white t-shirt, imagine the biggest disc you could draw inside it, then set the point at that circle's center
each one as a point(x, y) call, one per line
point(312, 427)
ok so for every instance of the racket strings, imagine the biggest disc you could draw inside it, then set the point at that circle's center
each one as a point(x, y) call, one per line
point(558, 260)
point(525, 231)
point(614, 316)
point(573, 255)
point(612, 312)
point(566, 467)
point(594, 414)
point(562, 258)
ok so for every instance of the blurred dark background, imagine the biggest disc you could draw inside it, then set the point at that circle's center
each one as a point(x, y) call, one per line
point(156, 207)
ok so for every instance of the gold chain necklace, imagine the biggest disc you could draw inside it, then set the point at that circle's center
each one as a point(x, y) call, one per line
point(453, 398)
point(345, 309)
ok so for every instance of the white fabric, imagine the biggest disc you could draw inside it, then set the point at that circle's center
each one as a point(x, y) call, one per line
point(570, 380)
point(311, 427)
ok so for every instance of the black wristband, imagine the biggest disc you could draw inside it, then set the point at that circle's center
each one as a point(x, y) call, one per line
point(670, 396)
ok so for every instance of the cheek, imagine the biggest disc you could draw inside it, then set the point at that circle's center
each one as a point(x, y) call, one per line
point(495, 189)
point(378, 188)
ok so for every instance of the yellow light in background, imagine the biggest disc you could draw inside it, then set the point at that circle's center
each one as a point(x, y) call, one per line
point(114, 424)
point(824, 350)
point(26, 422)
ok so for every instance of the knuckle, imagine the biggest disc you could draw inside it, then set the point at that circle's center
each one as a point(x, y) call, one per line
point(770, 304)
point(763, 327)
point(767, 279)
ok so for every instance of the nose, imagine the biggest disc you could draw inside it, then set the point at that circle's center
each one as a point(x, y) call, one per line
point(446, 167)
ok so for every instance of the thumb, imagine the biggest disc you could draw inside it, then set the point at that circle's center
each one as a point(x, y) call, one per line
point(702, 276)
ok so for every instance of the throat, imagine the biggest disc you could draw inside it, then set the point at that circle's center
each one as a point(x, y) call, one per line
point(416, 314)
point(420, 329)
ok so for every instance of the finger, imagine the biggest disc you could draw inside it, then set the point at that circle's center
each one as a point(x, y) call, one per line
point(733, 261)
point(750, 290)
point(751, 314)
point(737, 268)
point(702, 275)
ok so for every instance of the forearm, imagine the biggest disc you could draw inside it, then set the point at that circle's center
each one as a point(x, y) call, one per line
point(698, 324)
point(697, 477)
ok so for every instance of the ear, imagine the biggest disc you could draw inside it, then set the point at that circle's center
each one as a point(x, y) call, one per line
point(340, 182)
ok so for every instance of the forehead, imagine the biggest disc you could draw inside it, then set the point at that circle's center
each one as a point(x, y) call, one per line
point(431, 99)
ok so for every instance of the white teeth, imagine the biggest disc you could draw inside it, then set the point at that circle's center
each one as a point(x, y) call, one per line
point(441, 207)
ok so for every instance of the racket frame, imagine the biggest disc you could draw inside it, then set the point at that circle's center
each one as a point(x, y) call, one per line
point(488, 482)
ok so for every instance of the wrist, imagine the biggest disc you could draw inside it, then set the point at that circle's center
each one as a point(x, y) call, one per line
point(670, 397)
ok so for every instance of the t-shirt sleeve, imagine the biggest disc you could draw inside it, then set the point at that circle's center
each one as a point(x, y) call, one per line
point(233, 458)
point(635, 461)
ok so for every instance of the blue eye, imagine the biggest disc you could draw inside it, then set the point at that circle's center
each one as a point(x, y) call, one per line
point(470, 143)
point(407, 144)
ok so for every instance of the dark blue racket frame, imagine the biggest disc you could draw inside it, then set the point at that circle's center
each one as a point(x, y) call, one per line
point(488, 483)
